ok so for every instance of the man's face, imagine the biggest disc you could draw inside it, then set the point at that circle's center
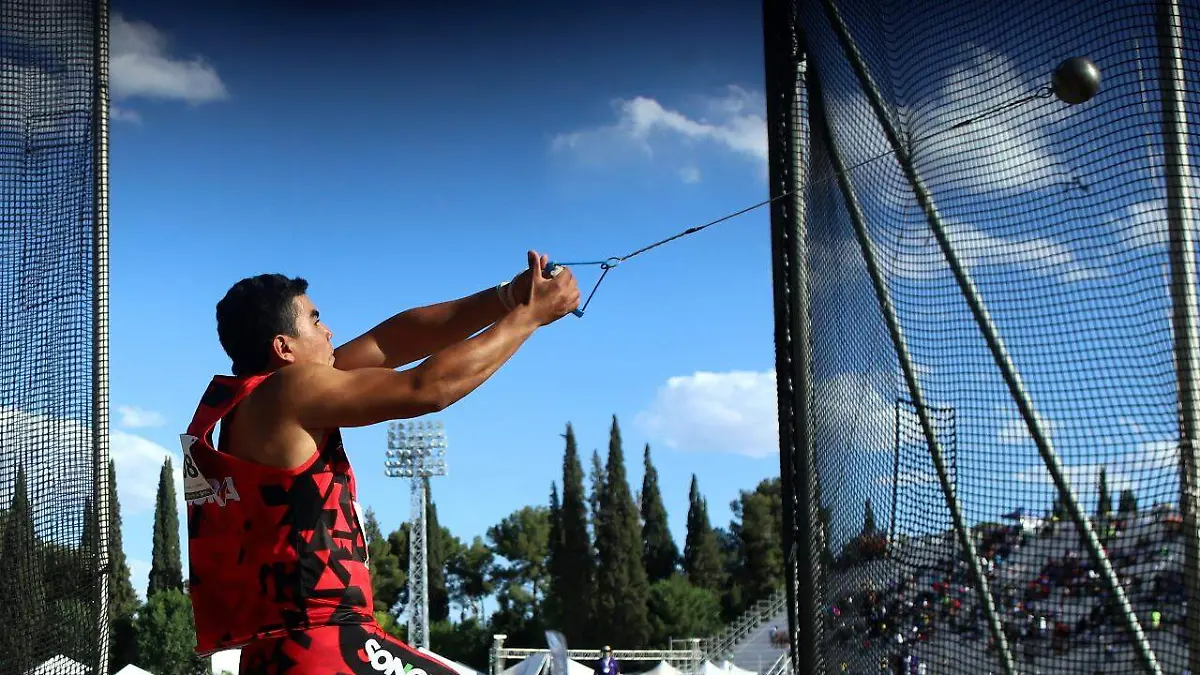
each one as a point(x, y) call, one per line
point(313, 341)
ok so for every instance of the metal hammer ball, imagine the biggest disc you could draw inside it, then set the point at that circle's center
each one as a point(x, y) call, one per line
point(1075, 80)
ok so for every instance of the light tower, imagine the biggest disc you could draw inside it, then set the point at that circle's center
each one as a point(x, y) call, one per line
point(417, 451)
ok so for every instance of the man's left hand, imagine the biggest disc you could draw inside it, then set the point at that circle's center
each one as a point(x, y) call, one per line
point(520, 283)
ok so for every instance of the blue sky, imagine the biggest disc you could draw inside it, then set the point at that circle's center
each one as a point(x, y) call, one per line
point(397, 157)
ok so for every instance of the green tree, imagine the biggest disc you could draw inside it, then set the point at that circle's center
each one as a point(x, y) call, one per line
point(659, 551)
point(122, 599)
point(522, 539)
point(598, 479)
point(166, 562)
point(868, 519)
point(760, 551)
point(442, 546)
point(680, 610)
point(1104, 501)
point(166, 635)
point(384, 566)
point(575, 578)
point(22, 586)
point(554, 608)
point(1128, 503)
point(621, 584)
point(397, 588)
point(467, 642)
point(469, 573)
point(701, 550)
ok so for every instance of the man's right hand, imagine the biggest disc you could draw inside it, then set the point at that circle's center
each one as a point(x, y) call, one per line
point(550, 299)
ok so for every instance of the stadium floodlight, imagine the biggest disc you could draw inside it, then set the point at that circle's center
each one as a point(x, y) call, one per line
point(417, 451)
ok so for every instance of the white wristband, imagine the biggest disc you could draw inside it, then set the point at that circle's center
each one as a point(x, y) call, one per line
point(504, 290)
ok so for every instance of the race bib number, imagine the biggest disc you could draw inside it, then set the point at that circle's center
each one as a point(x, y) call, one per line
point(195, 485)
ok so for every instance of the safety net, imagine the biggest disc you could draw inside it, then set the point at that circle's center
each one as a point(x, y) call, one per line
point(998, 219)
point(51, 191)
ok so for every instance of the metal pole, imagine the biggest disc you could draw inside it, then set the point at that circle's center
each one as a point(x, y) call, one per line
point(418, 581)
point(1000, 355)
point(1181, 226)
point(784, 64)
point(100, 402)
point(910, 375)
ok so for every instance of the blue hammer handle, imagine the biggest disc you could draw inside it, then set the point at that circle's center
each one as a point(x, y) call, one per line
point(549, 271)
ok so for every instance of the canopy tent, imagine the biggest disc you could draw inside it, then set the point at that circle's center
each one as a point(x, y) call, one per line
point(133, 670)
point(663, 668)
point(59, 665)
point(227, 661)
point(460, 668)
point(725, 668)
point(539, 664)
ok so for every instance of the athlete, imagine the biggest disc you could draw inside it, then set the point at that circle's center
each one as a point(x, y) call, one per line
point(276, 550)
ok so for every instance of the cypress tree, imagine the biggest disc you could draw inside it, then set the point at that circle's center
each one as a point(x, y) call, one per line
point(598, 480)
point(868, 519)
point(22, 586)
point(578, 572)
point(1104, 500)
point(701, 550)
point(437, 551)
point(621, 586)
point(122, 598)
point(554, 607)
point(659, 551)
point(166, 561)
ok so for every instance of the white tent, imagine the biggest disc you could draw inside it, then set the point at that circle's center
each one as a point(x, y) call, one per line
point(60, 665)
point(460, 668)
point(663, 668)
point(539, 664)
point(726, 668)
point(227, 661)
point(133, 670)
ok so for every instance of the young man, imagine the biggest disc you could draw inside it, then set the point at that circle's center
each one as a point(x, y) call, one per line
point(277, 555)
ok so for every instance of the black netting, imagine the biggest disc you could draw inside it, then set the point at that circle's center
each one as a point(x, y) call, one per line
point(1059, 216)
point(50, 580)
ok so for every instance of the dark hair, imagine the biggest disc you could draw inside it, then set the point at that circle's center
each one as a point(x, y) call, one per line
point(252, 313)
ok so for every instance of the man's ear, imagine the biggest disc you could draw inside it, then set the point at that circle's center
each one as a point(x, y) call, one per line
point(281, 348)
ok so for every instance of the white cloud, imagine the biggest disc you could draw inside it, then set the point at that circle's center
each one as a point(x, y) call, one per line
point(734, 412)
point(119, 114)
point(734, 122)
point(690, 174)
point(133, 417)
point(138, 463)
point(141, 66)
point(56, 454)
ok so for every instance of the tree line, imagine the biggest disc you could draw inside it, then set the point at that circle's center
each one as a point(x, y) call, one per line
point(596, 561)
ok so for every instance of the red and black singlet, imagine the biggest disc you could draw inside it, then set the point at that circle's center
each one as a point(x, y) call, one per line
point(269, 550)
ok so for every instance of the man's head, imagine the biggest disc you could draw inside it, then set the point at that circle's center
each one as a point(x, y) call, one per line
point(268, 321)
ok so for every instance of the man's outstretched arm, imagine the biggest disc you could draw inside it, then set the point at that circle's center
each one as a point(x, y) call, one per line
point(416, 333)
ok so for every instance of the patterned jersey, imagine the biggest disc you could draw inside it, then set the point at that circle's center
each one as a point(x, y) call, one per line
point(269, 550)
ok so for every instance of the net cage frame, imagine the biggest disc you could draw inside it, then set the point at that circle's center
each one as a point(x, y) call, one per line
point(794, 114)
point(58, 96)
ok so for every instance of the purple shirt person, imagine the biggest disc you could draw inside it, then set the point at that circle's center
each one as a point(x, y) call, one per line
point(609, 665)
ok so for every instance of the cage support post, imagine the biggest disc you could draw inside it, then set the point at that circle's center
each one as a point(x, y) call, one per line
point(100, 419)
point(821, 126)
point(995, 344)
point(785, 71)
point(1181, 226)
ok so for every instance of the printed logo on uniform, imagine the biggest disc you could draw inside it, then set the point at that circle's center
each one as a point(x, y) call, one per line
point(385, 662)
point(222, 492)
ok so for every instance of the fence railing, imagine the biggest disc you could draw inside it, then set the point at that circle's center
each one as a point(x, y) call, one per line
point(718, 647)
